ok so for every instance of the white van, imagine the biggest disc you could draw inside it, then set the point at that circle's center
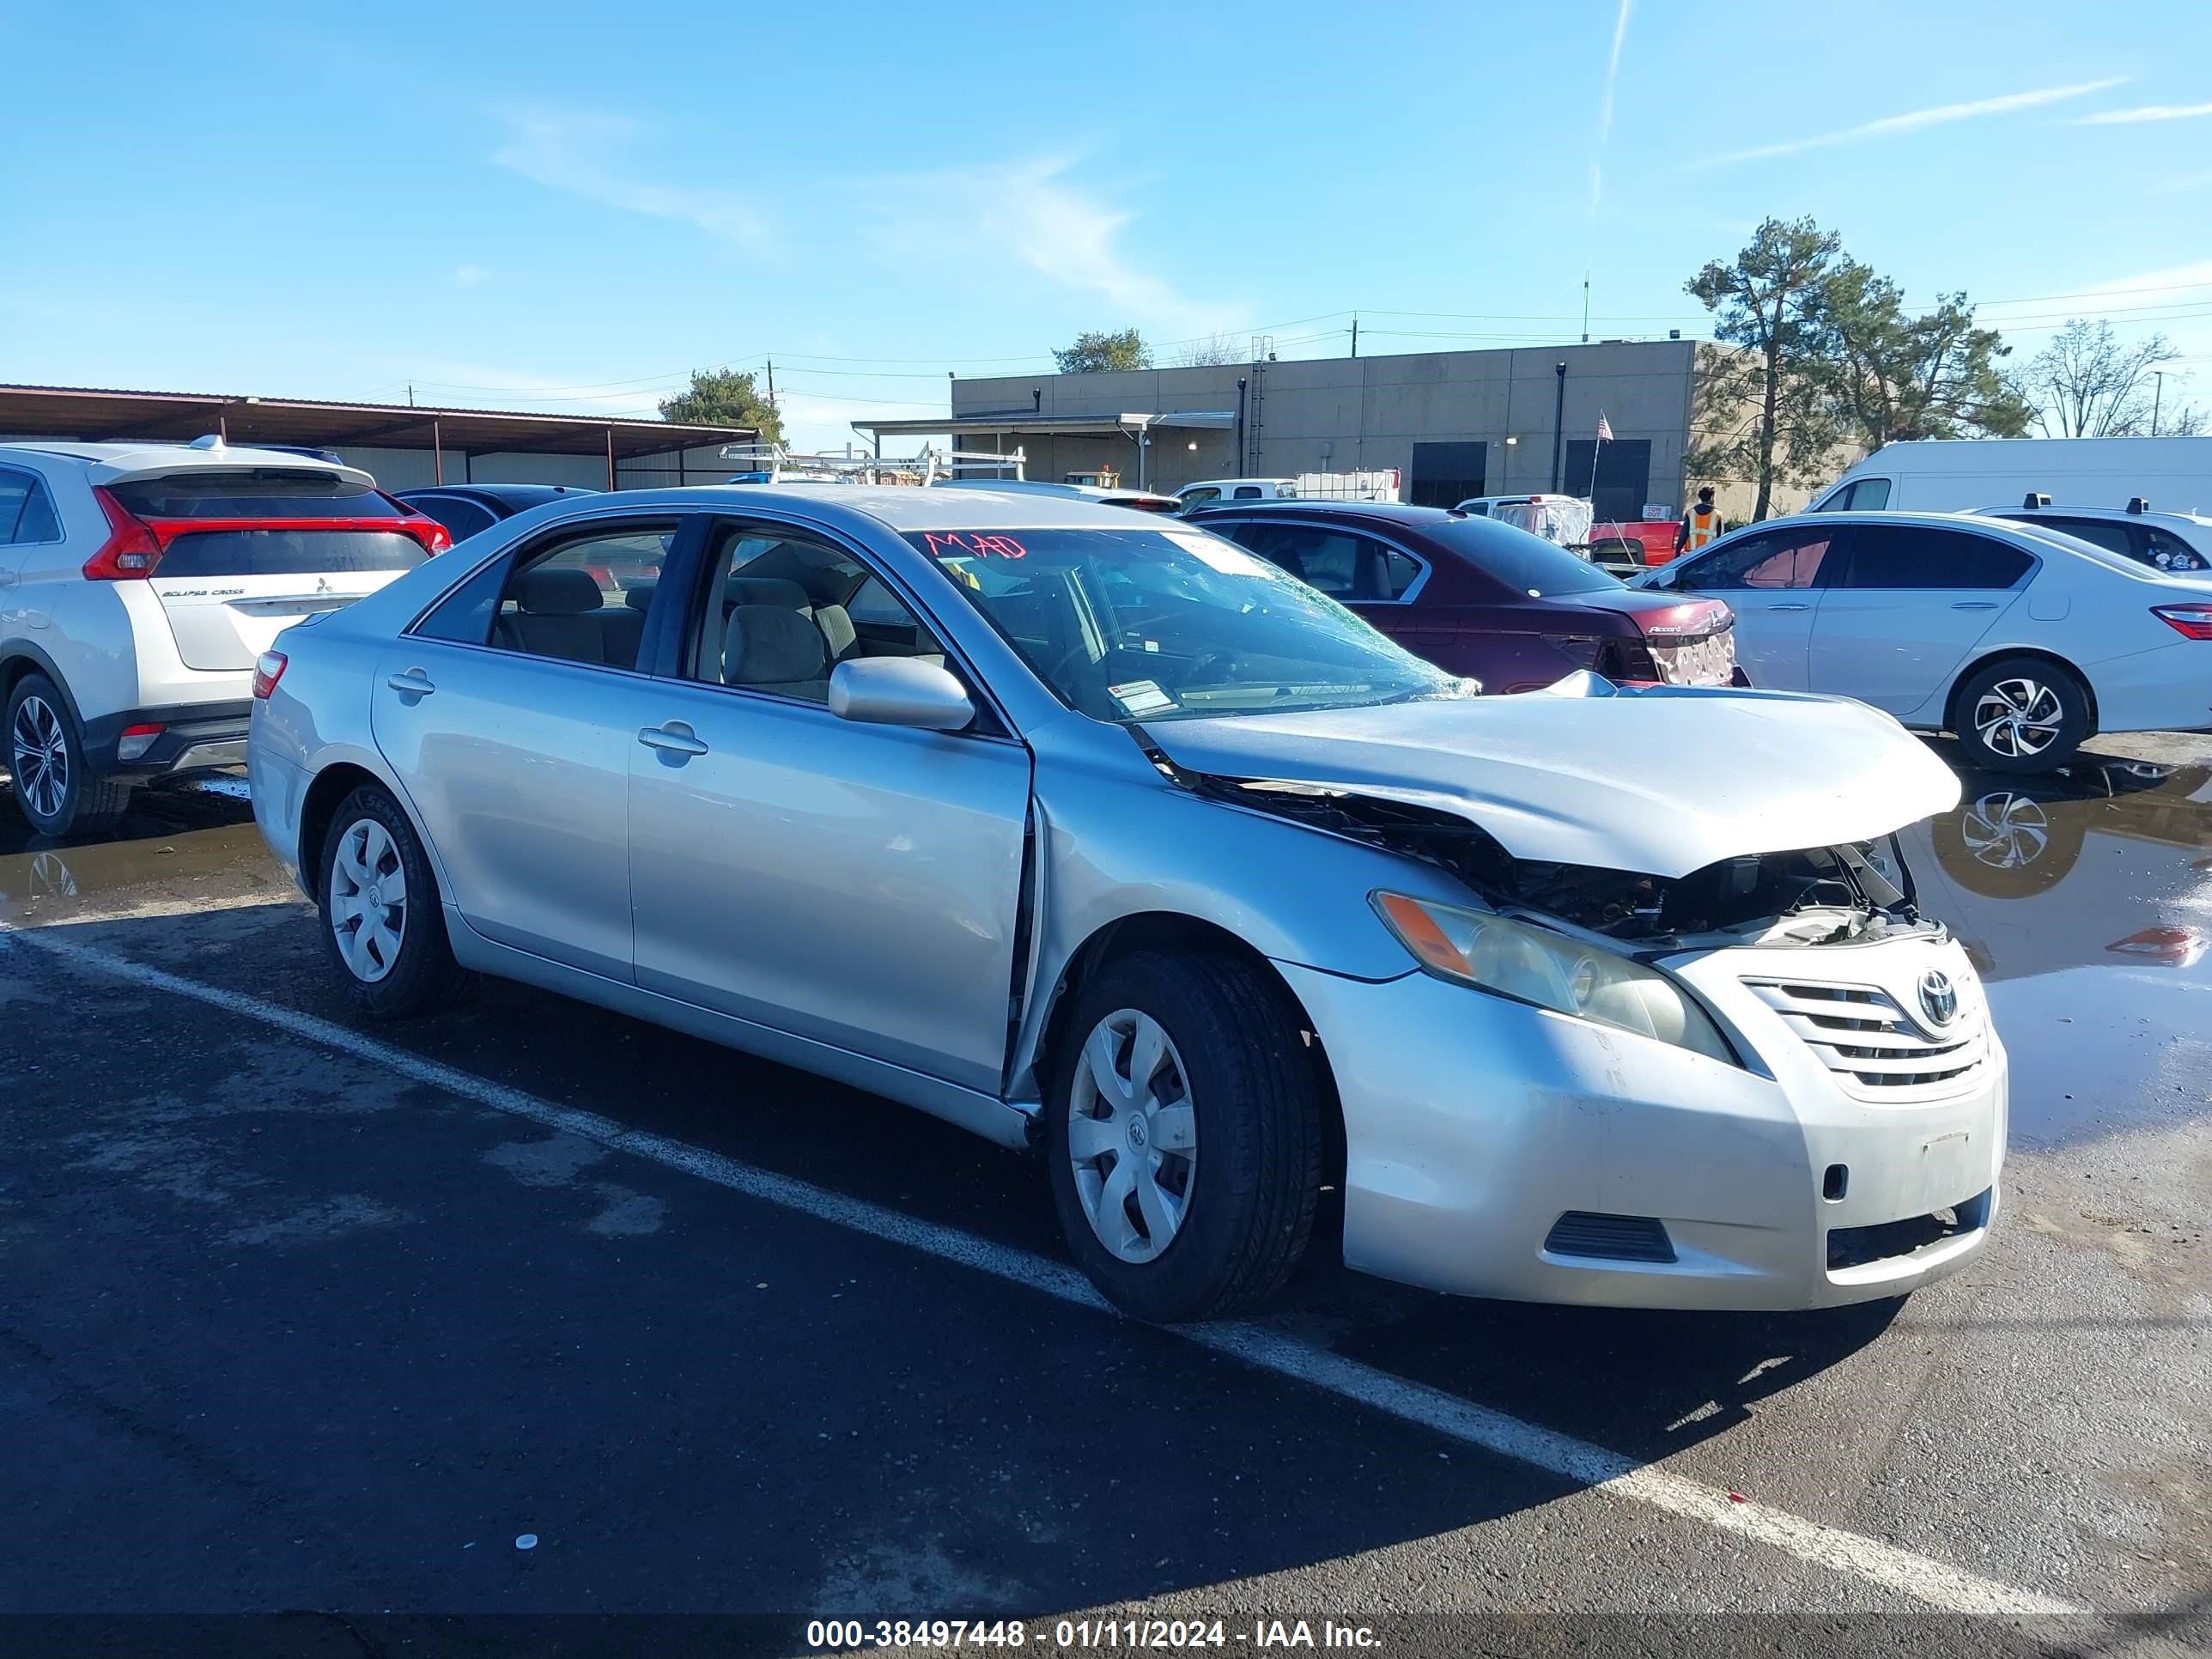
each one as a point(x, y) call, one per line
point(1957, 475)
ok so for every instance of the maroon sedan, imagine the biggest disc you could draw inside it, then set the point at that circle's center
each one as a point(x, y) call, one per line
point(1482, 599)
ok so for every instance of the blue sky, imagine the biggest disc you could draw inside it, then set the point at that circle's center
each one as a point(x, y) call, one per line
point(568, 207)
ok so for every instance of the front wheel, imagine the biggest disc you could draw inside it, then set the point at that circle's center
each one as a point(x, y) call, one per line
point(381, 917)
point(2021, 715)
point(1184, 1133)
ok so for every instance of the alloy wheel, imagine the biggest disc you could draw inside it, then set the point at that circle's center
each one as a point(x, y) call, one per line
point(2005, 830)
point(39, 745)
point(1131, 1136)
point(369, 900)
point(2019, 717)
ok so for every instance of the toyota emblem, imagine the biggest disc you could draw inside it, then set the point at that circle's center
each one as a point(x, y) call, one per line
point(1939, 998)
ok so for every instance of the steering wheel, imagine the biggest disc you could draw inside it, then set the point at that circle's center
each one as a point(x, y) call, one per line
point(1089, 689)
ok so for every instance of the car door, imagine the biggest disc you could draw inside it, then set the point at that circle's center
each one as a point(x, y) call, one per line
point(1904, 609)
point(508, 715)
point(856, 884)
point(1774, 580)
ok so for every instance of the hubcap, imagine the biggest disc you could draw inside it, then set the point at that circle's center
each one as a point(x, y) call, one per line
point(2004, 830)
point(39, 748)
point(369, 900)
point(2019, 717)
point(1131, 1136)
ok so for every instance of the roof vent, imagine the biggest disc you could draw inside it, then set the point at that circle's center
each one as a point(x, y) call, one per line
point(2034, 500)
point(2138, 504)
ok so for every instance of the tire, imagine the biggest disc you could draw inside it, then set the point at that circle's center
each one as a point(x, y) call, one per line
point(56, 789)
point(1234, 1084)
point(2020, 715)
point(391, 950)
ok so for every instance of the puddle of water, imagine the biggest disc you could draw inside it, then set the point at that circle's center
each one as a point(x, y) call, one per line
point(2085, 897)
point(200, 833)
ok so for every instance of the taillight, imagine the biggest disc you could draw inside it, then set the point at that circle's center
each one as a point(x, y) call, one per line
point(130, 551)
point(2191, 622)
point(435, 537)
point(267, 671)
point(136, 741)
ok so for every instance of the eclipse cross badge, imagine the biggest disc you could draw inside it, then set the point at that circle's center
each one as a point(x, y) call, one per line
point(1939, 998)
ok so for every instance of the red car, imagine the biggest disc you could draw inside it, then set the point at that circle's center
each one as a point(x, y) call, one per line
point(1484, 599)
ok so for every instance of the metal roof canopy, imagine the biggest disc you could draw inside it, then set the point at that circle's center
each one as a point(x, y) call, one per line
point(1012, 422)
point(96, 413)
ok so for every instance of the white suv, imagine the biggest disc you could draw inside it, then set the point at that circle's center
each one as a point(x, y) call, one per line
point(139, 584)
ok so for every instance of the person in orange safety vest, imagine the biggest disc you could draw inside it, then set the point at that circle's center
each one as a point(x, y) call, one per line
point(1702, 524)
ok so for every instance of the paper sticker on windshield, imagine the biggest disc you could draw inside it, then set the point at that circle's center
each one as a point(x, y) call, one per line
point(1140, 697)
point(1227, 557)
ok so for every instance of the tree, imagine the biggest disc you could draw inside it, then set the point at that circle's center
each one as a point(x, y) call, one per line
point(1211, 352)
point(1763, 408)
point(724, 397)
point(1895, 376)
point(2085, 384)
point(1094, 352)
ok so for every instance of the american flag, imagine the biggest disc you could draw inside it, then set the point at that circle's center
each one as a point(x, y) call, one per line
point(1604, 430)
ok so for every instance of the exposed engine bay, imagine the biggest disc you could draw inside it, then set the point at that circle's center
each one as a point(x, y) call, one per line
point(1815, 895)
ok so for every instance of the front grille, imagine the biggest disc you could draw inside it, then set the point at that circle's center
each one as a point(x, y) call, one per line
point(1855, 1247)
point(1709, 661)
point(1875, 1049)
point(1610, 1238)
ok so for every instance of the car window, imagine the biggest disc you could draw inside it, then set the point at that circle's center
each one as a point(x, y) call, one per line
point(1147, 624)
point(1199, 497)
point(2100, 532)
point(1773, 560)
point(1344, 566)
point(792, 607)
point(1246, 493)
point(1910, 557)
point(462, 517)
point(38, 522)
point(582, 597)
point(14, 491)
point(1868, 496)
point(2167, 550)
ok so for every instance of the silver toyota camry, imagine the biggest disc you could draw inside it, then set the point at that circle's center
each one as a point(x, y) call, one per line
point(1101, 836)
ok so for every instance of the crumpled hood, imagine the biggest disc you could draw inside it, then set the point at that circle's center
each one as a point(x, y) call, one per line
point(1661, 782)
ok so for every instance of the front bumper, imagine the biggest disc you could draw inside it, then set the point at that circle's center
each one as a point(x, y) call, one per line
point(1473, 1125)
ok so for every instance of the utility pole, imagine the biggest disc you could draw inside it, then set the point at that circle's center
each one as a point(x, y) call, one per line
point(1355, 334)
point(771, 383)
point(2157, 397)
point(411, 394)
point(1586, 307)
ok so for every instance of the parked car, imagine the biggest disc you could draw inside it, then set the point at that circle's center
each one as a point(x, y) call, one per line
point(1142, 500)
point(467, 509)
point(1105, 838)
point(1956, 475)
point(138, 582)
point(1482, 599)
point(1207, 491)
point(2020, 639)
point(1565, 520)
point(2178, 541)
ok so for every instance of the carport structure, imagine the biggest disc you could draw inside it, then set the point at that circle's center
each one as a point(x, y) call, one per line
point(1027, 425)
point(445, 435)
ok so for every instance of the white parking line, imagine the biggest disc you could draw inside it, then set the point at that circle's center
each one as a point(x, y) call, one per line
point(1933, 1582)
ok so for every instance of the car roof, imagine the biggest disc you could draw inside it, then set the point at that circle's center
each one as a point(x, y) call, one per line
point(2120, 514)
point(514, 496)
point(2041, 535)
point(1389, 512)
point(130, 456)
point(897, 507)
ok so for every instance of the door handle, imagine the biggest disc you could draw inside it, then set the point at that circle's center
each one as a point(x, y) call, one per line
point(1974, 604)
point(414, 680)
point(1789, 607)
point(675, 739)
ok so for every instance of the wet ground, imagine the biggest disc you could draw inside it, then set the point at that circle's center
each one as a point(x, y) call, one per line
point(298, 1319)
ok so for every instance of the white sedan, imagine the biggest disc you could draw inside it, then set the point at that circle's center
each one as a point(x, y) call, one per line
point(2022, 640)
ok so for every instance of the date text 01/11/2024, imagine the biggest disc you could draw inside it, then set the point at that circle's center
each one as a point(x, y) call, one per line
point(850, 1634)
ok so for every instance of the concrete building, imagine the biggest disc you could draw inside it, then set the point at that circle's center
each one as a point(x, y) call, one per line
point(1455, 423)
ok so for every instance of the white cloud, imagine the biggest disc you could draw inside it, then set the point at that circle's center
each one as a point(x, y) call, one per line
point(570, 151)
point(1914, 120)
point(1605, 105)
point(2114, 117)
point(471, 275)
point(1029, 213)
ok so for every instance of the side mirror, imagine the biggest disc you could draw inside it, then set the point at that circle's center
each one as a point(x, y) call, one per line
point(899, 691)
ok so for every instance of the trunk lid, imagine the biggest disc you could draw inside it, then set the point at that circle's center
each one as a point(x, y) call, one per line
point(1691, 640)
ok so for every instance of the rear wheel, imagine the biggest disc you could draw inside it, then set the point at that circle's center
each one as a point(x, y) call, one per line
point(2021, 715)
point(55, 787)
point(381, 917)
point(1184, 1134)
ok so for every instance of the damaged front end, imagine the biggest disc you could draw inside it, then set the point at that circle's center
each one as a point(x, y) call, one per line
point(1853, 893)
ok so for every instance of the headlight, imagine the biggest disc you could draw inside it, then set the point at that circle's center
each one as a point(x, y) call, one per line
point(1536, 965)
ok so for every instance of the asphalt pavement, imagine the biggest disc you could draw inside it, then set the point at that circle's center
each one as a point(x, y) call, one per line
point(316, 1320)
